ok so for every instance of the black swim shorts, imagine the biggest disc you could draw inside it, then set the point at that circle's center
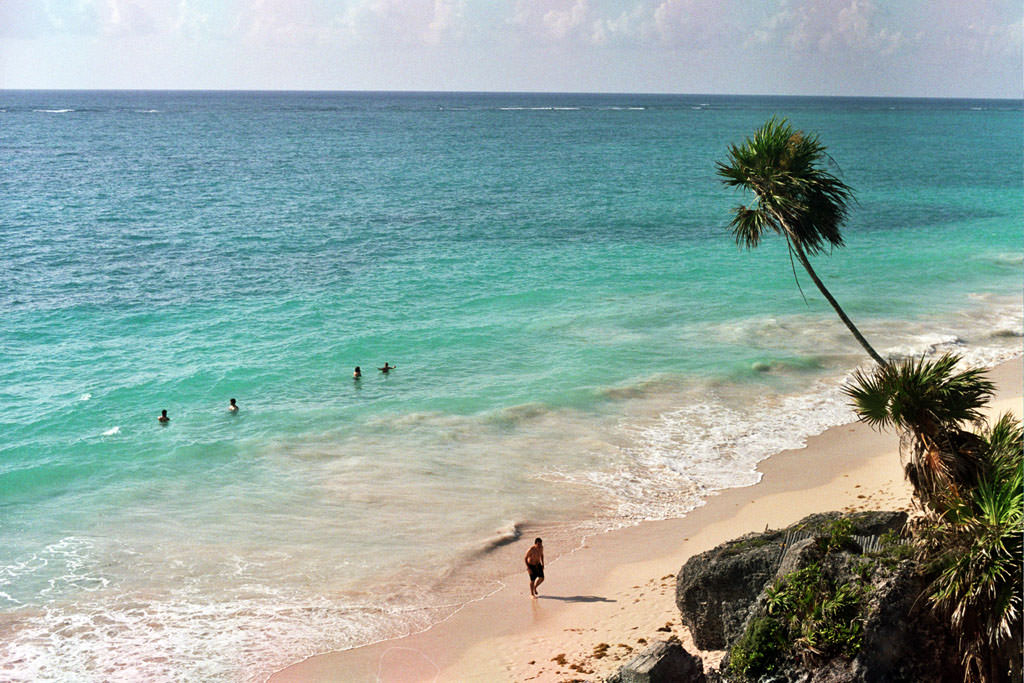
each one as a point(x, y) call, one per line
point(536, 571)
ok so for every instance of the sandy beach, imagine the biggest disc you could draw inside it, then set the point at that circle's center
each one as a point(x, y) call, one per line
point(604, 601)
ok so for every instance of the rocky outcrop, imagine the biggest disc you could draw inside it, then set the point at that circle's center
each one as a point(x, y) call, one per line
point(730, 595)
point(716, 590)
point(759, 597)
point(903, 639)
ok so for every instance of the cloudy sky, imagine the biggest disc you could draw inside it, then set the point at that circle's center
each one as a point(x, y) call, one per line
point(942, 48)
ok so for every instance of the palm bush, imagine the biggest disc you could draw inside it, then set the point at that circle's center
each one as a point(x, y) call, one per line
point(974, 547)
point(930, 404)
point(972, 488)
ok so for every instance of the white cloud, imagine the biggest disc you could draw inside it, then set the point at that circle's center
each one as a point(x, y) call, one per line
point(626, 28)
point(826, 26)
point(191, 22)
point(446, 22)
point(862, 46)
point(694, 23)
point(551, 20)
point(408, 23)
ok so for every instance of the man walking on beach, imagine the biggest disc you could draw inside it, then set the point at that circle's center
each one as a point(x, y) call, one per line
point(535, 565)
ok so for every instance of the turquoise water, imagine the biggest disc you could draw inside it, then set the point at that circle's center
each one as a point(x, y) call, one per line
point(579, 343)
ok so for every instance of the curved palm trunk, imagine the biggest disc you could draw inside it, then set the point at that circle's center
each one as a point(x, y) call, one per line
point(835, 304)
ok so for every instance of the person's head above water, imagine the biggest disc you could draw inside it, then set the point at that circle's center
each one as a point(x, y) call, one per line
point(232, 406)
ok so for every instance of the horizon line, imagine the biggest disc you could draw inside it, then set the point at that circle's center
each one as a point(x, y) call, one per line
point(505, 92)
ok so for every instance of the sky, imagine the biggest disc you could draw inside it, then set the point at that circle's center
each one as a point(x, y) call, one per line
point(915, 48)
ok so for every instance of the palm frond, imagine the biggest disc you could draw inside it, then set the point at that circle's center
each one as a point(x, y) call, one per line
point(870, 393)
point(749, 226)
point(929, 403)
point(784, 169)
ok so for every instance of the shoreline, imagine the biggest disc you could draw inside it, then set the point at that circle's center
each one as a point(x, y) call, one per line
point(605, 600)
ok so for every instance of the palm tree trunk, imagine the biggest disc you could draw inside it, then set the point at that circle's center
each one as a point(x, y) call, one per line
point(835, 304)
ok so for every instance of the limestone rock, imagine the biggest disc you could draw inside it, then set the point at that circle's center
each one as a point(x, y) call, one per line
point(662, 662)
point(716, 590)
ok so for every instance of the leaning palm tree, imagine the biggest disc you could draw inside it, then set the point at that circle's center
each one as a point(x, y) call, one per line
point(930, 405)
point(794, 197)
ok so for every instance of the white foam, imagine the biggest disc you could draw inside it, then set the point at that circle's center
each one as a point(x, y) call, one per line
point(546, 108)
point(243, 633)
point(112, 431)
point(85, 397)
point(925, 344)
point(675, 460)
point(52, 111)
point(710, 446)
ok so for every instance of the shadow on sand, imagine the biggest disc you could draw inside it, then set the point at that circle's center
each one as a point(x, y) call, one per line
point(575, 598)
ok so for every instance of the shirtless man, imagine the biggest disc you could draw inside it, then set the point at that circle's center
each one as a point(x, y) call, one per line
point(535, 565)
point(232, 406)
point(387, 367)
point(163, 419)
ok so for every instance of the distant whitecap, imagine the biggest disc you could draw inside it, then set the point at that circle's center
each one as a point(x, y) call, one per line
point(112, 431)
point(85, 397)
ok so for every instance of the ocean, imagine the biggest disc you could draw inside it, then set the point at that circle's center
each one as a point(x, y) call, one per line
point(580, 344)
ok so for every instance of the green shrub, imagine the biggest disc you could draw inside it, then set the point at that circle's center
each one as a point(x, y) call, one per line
point(838, 534)
point(760, 649)
point(807, 614)
point(834, 627)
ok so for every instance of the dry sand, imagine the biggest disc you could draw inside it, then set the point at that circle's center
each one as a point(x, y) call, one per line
point(606, 600)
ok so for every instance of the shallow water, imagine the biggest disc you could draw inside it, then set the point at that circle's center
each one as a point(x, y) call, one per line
point(579, 344)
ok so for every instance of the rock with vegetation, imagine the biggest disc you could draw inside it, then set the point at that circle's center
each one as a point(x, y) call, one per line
point(716, 590)
point(838, 600)
point(844, 615)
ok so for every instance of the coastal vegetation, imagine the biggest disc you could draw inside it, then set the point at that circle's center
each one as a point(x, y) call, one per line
point(795, 196)
point(967, 476)
point(970, 486)
point(930, 404)
point(818, 611)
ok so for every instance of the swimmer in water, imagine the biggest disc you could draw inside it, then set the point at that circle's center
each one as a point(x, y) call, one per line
point(163, 419)
point(357, 373)
point(232, 406)
point(387, 367)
